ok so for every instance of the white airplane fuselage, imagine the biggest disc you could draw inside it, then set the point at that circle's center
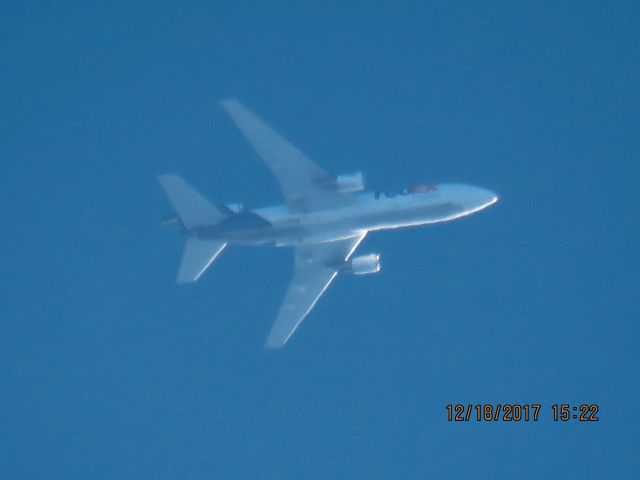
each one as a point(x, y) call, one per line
point(324, 218)
point(372, 211)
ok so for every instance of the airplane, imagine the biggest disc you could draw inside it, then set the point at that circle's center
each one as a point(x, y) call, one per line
point(324, 218)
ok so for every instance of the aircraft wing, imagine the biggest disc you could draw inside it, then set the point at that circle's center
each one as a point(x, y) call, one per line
point(315, 267)
point(306, 187)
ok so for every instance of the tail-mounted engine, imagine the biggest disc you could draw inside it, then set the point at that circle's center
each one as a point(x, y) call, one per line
point(365, 264)
point(235, 207)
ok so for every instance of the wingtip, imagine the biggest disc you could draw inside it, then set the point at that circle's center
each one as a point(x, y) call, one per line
point(166, 177)
point(228, 103)
point(273, 344)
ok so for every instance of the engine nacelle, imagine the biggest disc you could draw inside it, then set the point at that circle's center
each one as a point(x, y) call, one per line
point(235, 207)
point(350, 183)
point(365, 264)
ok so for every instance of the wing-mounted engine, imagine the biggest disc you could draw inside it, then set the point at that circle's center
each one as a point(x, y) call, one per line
point(350, 183)
point(347, 183)
point(364, 264)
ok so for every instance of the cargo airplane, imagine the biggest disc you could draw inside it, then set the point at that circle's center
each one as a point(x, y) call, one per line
point(324, 219)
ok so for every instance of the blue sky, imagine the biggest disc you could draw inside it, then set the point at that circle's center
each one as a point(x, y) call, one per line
point(110, 370)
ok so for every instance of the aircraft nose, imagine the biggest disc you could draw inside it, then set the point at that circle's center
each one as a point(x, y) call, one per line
point(483, 198)
point(472, 198)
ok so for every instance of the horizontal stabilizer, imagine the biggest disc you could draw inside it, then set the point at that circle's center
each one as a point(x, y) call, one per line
point(198, 256)
point(193, 209)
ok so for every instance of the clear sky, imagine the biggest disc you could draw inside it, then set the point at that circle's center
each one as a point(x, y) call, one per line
point(110, 370)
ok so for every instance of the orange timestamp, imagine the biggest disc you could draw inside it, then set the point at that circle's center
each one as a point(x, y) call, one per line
point(516, 412)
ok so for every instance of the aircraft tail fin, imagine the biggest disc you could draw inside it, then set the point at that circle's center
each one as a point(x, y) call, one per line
point(192, 208)
point(198, 256)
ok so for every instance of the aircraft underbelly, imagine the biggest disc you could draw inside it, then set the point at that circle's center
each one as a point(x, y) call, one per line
point(328, 226)
point(421, 215)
